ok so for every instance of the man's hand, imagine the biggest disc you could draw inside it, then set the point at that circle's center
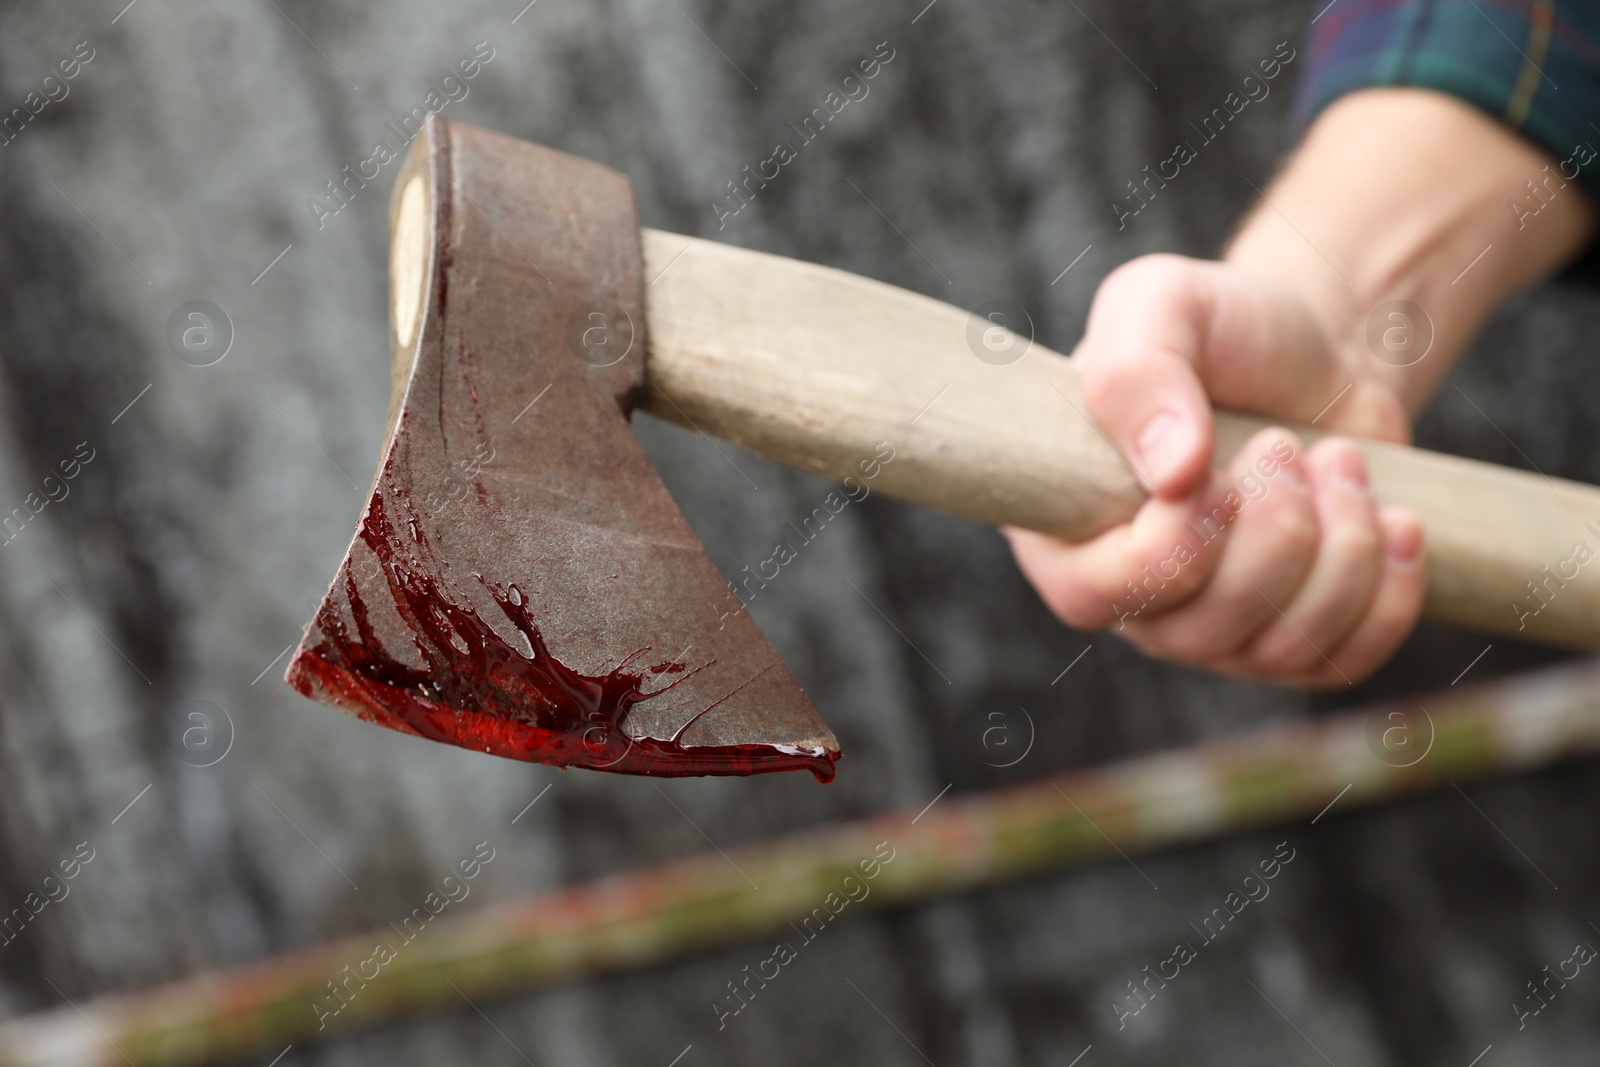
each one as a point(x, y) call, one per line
point(1281, 566)
point(1307, 580)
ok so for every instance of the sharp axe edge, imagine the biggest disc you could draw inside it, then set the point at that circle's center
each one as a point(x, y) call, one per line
point(520, 582)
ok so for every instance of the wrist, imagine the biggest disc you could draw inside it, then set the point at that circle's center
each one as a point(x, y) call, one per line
point(1369, 397)
point(1400, 203)
point(1354, 392)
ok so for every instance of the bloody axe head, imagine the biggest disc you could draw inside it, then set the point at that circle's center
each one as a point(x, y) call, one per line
point(520, 581)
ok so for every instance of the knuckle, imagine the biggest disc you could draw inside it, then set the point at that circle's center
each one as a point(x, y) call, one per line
point(1293, 530)
point(1271, 452)
point(1150, 277)
point(1195, 640)
point(1262, 441)
point(1281, 654)
point(1352, 544)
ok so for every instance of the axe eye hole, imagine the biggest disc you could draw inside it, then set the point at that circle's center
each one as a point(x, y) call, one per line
point(407, 257)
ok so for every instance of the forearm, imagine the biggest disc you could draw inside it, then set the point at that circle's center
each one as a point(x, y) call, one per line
point(1396, 194)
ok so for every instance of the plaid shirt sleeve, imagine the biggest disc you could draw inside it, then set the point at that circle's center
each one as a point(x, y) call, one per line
point(1532, 64)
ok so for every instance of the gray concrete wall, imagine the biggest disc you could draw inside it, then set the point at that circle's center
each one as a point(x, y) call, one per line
point(192, 548)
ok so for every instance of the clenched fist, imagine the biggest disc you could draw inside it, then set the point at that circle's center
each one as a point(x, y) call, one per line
point(1279, 564)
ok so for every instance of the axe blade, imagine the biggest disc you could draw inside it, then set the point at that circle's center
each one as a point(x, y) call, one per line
point(520, 581)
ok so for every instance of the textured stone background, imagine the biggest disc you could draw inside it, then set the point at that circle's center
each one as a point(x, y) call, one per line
point(193, 547)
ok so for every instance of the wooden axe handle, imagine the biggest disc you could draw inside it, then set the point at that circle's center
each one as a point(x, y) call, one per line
point(815, 367)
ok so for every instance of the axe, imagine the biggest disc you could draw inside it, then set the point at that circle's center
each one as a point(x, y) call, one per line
point(520, 581)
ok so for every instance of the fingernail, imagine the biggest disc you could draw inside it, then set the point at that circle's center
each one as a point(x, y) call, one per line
point(1350, 468)
point(1164, 446)
point(1402, 543)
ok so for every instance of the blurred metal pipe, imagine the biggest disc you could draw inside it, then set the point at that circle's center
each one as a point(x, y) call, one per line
point(1268, 777)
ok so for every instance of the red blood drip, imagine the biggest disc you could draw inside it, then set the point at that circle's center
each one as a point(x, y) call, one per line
point(481, 692)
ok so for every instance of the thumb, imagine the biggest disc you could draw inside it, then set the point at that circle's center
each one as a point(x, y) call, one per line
point(1138, 356)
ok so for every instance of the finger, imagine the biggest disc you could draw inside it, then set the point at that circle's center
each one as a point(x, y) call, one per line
point(1343, 579)
point(1366, 408)
point(1394, 609)
point(1140, 569)
point(1166, 333)
point(1138, 358)
point(1270, 546)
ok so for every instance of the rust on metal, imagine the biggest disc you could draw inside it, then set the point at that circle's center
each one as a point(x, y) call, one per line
point(520, 581)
